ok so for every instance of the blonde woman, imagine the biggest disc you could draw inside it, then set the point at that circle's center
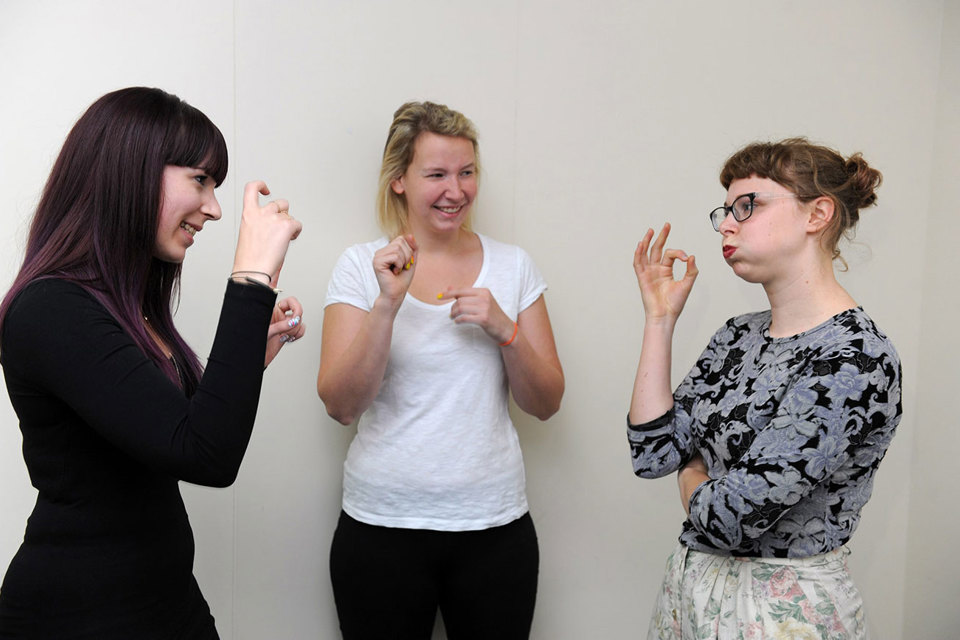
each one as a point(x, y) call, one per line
point(426, 332)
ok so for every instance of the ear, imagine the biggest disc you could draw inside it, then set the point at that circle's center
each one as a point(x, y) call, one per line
point(397, 185)
point(821, 214)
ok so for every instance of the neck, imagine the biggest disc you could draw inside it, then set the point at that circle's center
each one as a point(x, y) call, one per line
point(805, 300)
point(440, 243)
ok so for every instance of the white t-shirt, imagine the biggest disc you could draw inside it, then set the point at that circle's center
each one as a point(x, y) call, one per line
point(437, 449)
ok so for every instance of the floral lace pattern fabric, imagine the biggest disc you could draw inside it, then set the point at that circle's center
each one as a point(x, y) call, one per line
point(710, 597)
point(792, 431)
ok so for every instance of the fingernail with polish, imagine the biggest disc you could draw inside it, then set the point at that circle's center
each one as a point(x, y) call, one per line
point(294, 321)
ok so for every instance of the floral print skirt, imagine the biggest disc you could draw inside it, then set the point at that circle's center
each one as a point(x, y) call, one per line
point(727, 598)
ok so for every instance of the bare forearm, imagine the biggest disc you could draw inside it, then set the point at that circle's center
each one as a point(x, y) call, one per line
point(351, 379)
point(536, 382)
point(652, 395)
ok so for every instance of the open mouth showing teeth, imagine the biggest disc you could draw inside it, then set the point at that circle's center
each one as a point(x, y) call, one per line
point(189, 229)
point(449, 209)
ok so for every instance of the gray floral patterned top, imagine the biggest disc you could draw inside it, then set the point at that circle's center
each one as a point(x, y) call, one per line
point(792, 431)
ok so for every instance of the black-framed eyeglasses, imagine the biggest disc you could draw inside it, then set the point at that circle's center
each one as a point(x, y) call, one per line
point(742, 207)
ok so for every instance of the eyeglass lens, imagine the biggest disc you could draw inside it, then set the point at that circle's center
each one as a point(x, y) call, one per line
point(741, 208)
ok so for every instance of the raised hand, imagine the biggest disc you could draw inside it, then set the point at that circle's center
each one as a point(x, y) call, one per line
point(394, 265)
point(265, 234)
point(286, 325)
point(479, 307)
point(663, 296)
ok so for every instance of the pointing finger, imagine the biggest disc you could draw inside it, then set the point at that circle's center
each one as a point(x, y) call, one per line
point(656, 251)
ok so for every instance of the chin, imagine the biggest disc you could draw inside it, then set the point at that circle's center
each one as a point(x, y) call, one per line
point(745, 274)
point(168, 257)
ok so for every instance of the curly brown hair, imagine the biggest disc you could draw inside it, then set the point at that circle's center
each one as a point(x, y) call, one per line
point(811, 171)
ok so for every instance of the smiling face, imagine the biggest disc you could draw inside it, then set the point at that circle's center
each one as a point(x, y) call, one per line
point(440, 184)
point(773, 240)
point(187, 203)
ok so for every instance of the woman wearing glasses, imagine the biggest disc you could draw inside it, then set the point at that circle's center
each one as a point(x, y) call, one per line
point(779, 428)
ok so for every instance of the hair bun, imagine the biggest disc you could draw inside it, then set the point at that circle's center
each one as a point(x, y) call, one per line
point(864, 179)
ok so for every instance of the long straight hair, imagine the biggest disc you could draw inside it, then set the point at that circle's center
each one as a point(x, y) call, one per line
point(96, 222)
point(409, 121)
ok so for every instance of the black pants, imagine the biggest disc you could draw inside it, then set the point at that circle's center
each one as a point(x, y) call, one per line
point(388, 583)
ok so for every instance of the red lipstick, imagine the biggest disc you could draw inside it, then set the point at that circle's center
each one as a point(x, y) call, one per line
point(728, 251)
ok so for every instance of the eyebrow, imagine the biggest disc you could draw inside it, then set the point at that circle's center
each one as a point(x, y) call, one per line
point(472, 165)
point(745, 193)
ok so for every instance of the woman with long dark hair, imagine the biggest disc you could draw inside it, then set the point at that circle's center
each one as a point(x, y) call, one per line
point(779, 427)
point(114, 407)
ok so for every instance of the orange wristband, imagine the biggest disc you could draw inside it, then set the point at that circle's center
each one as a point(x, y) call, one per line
point(516, 328)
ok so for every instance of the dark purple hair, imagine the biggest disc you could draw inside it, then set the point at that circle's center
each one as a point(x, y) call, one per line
point(96, 223)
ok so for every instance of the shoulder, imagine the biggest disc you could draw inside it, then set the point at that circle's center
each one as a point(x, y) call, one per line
point(853, 335)
point(875, 340)
point(359, 257)
point(353, 280)
point(850, 359)
point(365, 250)
point(50, 296)
point(503, 250)
point(54, 313)
point(506, 258)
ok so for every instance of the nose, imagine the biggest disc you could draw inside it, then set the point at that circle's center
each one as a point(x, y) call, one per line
point(454, 188)
point(211, 207)
point(729, 224)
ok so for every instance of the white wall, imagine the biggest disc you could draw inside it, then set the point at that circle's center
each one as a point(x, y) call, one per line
point(597, 120)
point(932, 582)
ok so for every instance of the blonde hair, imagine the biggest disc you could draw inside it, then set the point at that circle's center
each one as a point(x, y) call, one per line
point(812, 171)
point(409, 121)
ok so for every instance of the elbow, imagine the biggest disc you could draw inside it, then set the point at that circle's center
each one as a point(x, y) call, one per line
point(651, 467)
point(546, 412)
point(548, 403)
point(339, 413)
point(725, 536)
point(542, 409)
point(223, 481)
point(343, 417)
point(647, 474)
point(215, 477)
point(225, 474)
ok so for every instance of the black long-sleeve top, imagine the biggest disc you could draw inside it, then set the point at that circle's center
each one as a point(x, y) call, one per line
point(108, 550)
